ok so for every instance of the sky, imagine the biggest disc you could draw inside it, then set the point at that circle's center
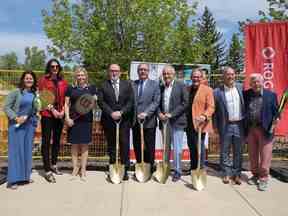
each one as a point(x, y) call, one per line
point(21, 20)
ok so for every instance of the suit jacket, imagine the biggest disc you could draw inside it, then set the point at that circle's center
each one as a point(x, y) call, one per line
point(108, 103)
point(221, 116)
point(268, 112)
point(203, 104)
point(148, 102)
point(177, 105)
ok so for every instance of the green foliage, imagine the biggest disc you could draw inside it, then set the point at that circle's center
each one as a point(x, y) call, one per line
point(34, 58)
point(9, 61)
point(278, 10)
point(98, 32)
point(235, 54)
point(211, 41)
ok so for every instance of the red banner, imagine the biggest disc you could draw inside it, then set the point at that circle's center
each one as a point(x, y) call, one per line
point(266, 52)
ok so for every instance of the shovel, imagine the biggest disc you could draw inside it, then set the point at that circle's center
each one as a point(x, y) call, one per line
point(116, 171)
point(199, 176)
point(163, 167)
point(142, 170)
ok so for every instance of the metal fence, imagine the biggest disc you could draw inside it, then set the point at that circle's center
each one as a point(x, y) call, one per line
point(98, 147)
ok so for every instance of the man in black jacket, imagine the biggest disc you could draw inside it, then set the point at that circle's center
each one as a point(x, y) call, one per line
point(116, 100)
point(173, 103)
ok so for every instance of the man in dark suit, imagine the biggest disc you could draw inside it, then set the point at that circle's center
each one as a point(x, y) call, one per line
point(173, 103)
point(261, 113)
point(116, 99)
point(228, 121)
point(147, 99)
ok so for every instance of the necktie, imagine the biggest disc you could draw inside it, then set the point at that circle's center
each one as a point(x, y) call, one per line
point(116, 90)
point(141, 88)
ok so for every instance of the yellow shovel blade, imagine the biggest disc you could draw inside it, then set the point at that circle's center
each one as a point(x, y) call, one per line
point(199, 179)
point(116, 173)
point(162, 172)
point(143, 172)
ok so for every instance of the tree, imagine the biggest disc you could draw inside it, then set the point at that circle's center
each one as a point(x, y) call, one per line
point(278, 10)
point(67, 68)
point(185, 48)
point(235, 54)
point(211, 41)
point(9, 61)
point(34, 58)
point(98, 32)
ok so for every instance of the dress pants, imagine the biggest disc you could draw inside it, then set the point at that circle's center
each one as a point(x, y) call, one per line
point(260, 153)
point(192, 141)
point(124, 143)
point(50, 126)
point(149, 141)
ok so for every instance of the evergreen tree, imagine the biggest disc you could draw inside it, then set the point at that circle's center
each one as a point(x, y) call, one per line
point(235, 54)
point(211, 41)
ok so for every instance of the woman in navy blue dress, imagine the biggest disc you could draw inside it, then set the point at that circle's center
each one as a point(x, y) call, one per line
point(21, 112)
point(80, 126)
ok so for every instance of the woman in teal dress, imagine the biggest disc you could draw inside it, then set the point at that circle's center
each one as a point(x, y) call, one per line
point(21, 112)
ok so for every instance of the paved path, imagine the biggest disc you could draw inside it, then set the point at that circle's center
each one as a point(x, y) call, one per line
point(98, 197)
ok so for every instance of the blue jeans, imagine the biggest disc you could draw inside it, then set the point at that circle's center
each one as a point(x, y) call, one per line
point(176, 138)
point(233, 137)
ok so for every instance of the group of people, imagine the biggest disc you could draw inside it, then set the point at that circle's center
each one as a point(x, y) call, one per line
point(238, 116)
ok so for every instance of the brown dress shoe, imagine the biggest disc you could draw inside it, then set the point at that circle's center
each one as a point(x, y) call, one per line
point(225, 180)
point(237, 180)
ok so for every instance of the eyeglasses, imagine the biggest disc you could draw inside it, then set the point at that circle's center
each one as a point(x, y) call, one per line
point(143, 69)
point(54, 66)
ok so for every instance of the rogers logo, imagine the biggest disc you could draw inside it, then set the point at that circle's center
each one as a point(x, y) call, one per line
point(268, 53)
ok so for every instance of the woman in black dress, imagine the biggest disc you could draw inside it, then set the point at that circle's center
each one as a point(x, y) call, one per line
point(80, 126)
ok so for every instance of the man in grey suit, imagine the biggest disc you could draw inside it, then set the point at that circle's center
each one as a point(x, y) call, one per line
point(228, 121)
point(147, 99)
point(173, 103)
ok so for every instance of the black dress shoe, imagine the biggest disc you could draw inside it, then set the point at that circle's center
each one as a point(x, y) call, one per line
point(55, 170)
point(153, 168)
point(126, 177)
point(176, 177)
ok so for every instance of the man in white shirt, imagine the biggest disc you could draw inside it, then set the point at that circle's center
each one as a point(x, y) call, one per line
point(173, 103)
point(228, 121)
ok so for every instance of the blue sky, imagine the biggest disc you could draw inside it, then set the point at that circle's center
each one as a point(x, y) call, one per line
point(21, 20)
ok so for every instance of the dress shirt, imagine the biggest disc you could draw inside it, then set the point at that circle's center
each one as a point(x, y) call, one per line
point(233, 103)
point(167, 94)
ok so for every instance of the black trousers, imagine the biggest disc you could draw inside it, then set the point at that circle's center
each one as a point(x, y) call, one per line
point(149, 147)
point(50, 127)
point(192, 141)
point(124, 143)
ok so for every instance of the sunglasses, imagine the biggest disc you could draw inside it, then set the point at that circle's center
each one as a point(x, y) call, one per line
point(54, 66)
